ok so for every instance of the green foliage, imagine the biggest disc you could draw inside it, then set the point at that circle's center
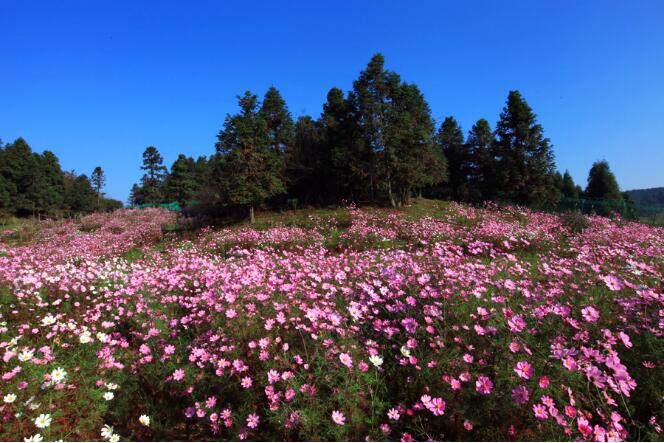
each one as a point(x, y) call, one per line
point(525, 163)
point(250, 169)
point(181, 183)
point(153, 179)
point(34, 184)
point(602, 184)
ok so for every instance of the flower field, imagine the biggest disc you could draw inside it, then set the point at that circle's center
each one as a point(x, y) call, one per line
point(450, 322)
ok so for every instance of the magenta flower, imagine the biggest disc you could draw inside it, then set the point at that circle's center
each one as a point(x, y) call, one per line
point(520, 395)
point(540, 411)
point(483, 385)
point(524, 369)
point(590, 314)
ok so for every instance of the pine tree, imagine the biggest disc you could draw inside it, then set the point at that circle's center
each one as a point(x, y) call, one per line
point(602, 184)
point(79, 195)
point(181, 184)
point(308, 162)
point(481, 177)
point(47, 188)
point(525, 164)
point(409, 140)
point(450, 142)
point(250, 168)
point(98, 180)
point(569, 189)
point(349, 157)
point(153, 179)
point(373, 93)
point(281, 132)
point(136, 195)
point(19, 167)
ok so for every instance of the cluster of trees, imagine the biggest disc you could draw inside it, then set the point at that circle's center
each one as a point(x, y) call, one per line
point(33, 184)
point(377, 143)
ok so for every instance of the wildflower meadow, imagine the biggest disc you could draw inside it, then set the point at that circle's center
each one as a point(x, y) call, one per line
point(436, 322)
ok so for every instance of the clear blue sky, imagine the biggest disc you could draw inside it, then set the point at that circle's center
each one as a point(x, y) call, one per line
point(98, 81)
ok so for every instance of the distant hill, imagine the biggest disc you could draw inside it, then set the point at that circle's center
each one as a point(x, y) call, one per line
point(651, 196)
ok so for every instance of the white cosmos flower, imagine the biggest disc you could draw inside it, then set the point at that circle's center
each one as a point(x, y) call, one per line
point(48, 321)
point(111, 386)
point(34, 438)
point(43, 421)
point(102, 337)
point(107, 431)
point(376, 360)
point(109, 396)
point(9, 398)
point(58, 375)
point(405, 351)
point(114, 438)
point(25, 356)
point(85, 337)
point(144, 419)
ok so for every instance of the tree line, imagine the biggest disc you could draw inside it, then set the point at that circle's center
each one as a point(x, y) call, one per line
point(377, 143)
point(33, 184)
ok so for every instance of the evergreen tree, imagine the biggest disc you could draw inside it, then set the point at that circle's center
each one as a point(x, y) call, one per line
point(279, 121)
point(450, 141)
point(19, 167)
point(79, 197)
point(181, 184)
point(373, 93)
point(153, 179)
point(250, 168)
point(47, 188)
point(349, 157)
point(98, 180)
point(481, 177)
point(136, 196)
point(525, 163)
point(602, 184)
point(308, 163)
point(569, 189)
point(409, 140)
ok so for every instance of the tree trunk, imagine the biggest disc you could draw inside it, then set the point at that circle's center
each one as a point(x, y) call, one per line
point(252, 219)
point(389, 190)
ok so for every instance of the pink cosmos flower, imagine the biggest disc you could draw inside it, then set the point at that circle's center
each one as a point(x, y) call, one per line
point(253, 420)
point(612, 282)
point(338, 418)
point(540, 411)
point(625, 339)
point(543, 382)
point(570, 364)
point(246, 382)
point(520, 395)
point(393, 414)
point(178, 374)
point(437, 406)
point(346, 360)
point(590, 314)
point(516, 324)
point(272, 376)
point(524, 369)
point(483, 385)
